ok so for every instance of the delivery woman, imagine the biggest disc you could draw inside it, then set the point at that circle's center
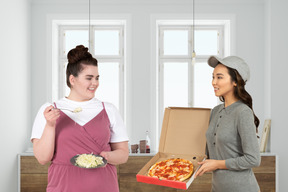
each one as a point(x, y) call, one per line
point(59, 134)
point(232, 144)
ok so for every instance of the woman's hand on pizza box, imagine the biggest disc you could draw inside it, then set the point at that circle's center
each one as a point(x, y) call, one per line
point(209, 165)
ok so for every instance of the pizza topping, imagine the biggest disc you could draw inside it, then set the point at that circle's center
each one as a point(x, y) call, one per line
point(172, 169)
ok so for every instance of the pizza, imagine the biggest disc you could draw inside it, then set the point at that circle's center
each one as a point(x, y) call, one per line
point(172, 169)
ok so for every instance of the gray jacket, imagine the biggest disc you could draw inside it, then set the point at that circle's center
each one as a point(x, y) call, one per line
point(231, 136)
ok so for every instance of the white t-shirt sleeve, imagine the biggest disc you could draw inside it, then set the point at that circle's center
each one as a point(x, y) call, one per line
point(39, 123)
point(117, 127)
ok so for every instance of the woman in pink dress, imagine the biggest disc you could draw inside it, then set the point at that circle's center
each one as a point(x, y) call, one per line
point(60, 134)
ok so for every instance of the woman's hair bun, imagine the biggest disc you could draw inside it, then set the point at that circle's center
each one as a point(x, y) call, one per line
point(77, 54)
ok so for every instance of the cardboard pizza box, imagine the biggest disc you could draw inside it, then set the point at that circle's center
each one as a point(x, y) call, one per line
point(182, 136)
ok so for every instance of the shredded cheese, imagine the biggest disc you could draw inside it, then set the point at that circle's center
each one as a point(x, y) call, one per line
point(89, 161)
point(77, 110)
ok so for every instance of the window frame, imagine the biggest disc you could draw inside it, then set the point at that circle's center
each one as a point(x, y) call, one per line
point(223, 28)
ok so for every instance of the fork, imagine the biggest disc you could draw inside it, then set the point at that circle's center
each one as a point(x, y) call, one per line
point(76, 110)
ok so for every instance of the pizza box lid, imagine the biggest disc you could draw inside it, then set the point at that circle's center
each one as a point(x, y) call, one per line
point(182, 136)
point(183, 130)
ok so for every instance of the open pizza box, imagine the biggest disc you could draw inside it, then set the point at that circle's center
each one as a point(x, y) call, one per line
point(182, 136)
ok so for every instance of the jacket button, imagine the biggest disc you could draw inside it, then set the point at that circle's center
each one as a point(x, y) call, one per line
point(214, 143)
point(214, 134)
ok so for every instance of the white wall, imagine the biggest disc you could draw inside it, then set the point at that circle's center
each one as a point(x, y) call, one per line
point(15, 88)
point(279, 67)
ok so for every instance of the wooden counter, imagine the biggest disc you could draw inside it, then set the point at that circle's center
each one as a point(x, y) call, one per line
point(33, 176)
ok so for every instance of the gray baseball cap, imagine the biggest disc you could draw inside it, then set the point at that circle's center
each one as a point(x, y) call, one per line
point(233, 62)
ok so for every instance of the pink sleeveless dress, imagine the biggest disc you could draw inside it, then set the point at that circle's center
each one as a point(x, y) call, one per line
point(72, 139)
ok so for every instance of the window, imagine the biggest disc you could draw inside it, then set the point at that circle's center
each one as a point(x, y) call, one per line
point(180, 82)
point(107, 46)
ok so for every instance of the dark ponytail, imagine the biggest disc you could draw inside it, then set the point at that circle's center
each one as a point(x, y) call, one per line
point(241, 93)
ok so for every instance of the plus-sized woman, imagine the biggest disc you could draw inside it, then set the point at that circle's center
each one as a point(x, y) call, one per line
point(58, 135)
point(232, 144)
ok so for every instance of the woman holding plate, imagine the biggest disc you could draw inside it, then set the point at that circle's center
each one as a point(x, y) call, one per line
point(80, 124)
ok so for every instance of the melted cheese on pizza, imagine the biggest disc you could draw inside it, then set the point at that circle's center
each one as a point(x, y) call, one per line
point(172, 169)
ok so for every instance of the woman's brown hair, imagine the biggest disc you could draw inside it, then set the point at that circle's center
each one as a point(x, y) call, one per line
point(241, 93)
point(78, 57)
